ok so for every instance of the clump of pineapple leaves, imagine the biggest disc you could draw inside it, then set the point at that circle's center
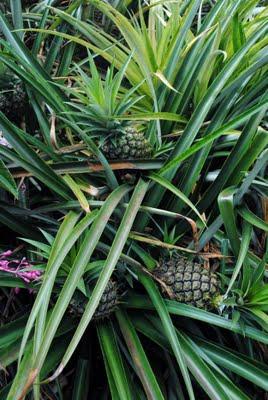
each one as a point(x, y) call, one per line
point(133, 200)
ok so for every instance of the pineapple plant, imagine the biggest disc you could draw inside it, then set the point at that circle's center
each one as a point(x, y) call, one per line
point(188, 282)
point(106, 306)
point(149, 344)
point(119, 139)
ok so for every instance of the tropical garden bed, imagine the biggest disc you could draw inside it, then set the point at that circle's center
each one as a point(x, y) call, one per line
point(133, 199)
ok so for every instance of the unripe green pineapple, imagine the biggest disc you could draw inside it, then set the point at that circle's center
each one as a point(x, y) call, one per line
point(104, 104)
point(129, 144)
point(106, 306)
point(188, 282)
point(108, 301)
point(97, 17)
point(12, 99)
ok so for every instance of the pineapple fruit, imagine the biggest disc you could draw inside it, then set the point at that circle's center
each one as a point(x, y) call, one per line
point(188, 282)
point(12, 98)
point(104, 103)
point(106, 306)
point(129, 144)
point(98, 17)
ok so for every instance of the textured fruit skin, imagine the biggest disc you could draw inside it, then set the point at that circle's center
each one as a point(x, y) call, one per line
point(12, 102)
point(187, 282)
point(127, 145)
point(107, 302)
point(106, 306)
point(98, 17)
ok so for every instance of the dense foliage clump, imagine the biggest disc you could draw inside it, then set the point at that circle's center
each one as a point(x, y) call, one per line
point(133, 200)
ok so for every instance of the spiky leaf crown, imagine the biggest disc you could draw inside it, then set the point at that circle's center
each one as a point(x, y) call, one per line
point(100, 101)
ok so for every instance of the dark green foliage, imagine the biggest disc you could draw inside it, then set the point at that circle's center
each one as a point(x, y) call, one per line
point(176, 106)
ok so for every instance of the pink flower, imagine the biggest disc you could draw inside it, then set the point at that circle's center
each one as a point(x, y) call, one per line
point(20, 268)
point(6, 254)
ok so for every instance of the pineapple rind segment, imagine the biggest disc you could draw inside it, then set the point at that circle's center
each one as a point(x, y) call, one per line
point(106, 306)
point(188, 282)
point(126, 145)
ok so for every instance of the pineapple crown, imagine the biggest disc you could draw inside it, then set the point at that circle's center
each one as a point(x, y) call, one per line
point(101, 102)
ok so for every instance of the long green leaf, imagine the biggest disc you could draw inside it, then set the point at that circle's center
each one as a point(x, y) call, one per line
point(72, 279)
point(110, 263)
point(6, 180)
point(185, 310)
point(112, 354)
point(252, 219)
point(61, 246)
point(164, 182)
point(143, 368)
point(14, 138)
point(197, 366)
point(197, 119)
point(168, 329)
point(245, 241)
point(226, 206)
point(237, 363)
